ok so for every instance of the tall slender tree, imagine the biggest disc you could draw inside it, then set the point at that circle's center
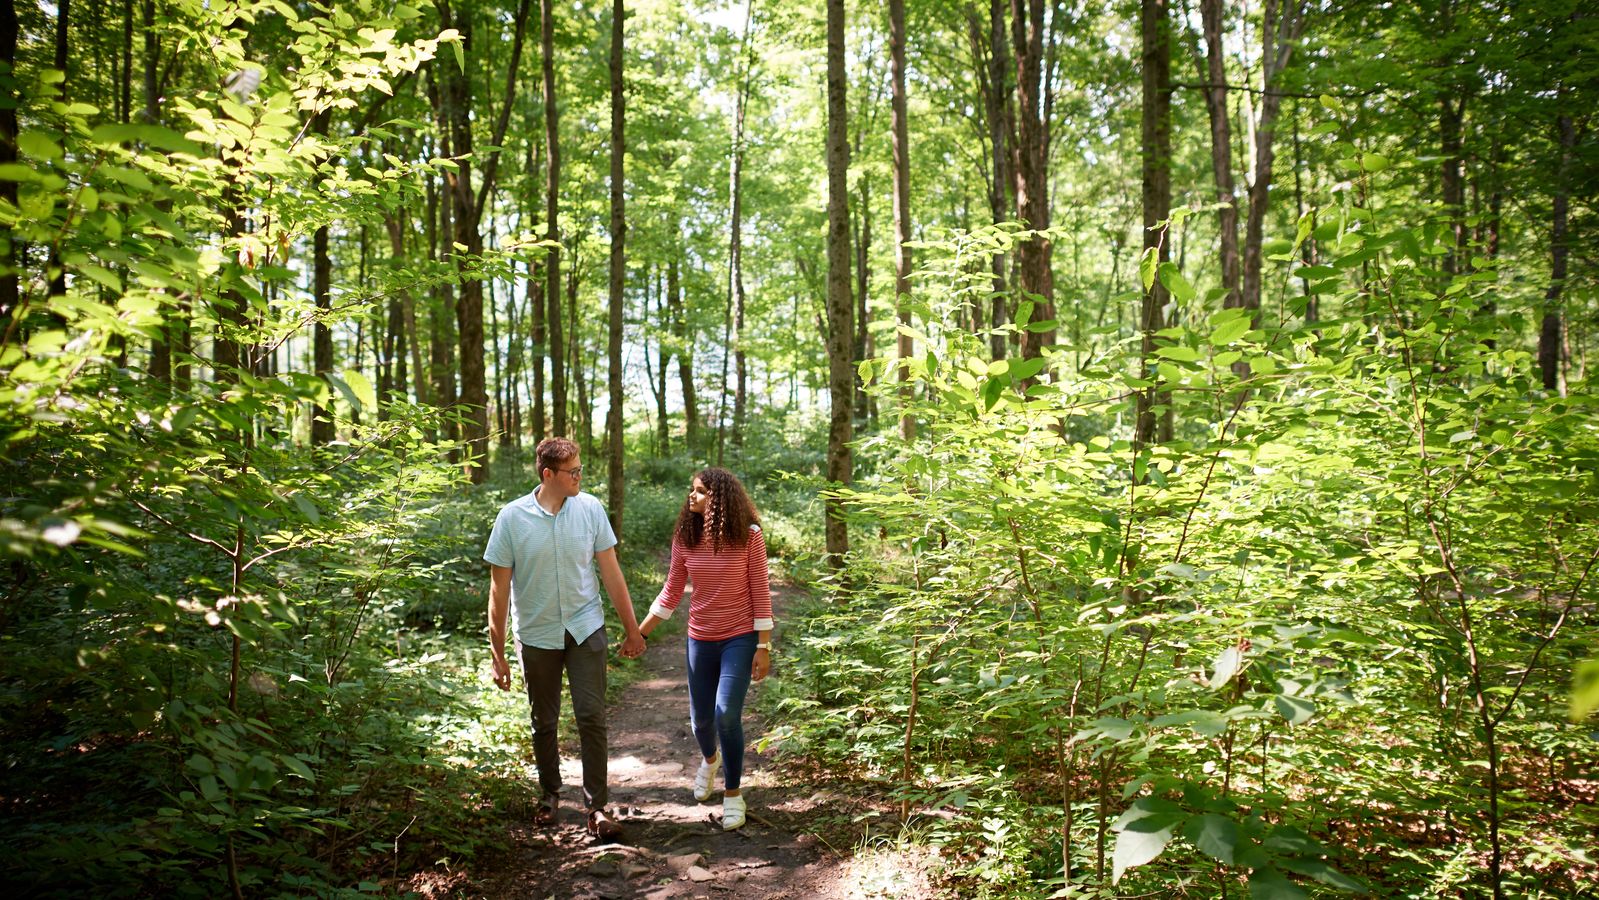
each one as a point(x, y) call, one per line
point(1154, 29)
point(902, 205)
point(684, 333)
point(840, 309)
point(1213, 71)
point(467, 214)
point(1034, 256)
point(552, 227)
point(1281, 25)
point(10, 288)
point(1552, 328)
point(615, 484)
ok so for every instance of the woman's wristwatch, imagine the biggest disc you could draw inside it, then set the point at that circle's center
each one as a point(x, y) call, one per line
point(764, 645)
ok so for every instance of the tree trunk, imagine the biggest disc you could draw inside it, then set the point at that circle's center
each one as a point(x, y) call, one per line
point(1278, 36)
point(552, 228)
point(735, 255)
point(1551, 334)
point(863, 283)
point(1032, 173)
point(902, 207)
point(615, 484)
point(684, 332)
point(1214, 73)
point(10, 286)
point(663, 354)
point(473, 395)
point(394, 343)
point(321, 333)
point(441, 322)
point(840, 309)
point(1154, 29)
point(536, 306)
point(468, 211)
point(1001, 137)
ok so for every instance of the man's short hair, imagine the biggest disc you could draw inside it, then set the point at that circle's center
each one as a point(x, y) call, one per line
point(552, 452)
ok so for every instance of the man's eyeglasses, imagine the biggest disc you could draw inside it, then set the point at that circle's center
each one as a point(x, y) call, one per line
point(576, 472)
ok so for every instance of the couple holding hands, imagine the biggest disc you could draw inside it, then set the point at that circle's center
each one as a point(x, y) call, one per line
point(542, 552)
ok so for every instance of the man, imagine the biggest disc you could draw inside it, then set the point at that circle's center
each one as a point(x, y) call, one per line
point(542, 553)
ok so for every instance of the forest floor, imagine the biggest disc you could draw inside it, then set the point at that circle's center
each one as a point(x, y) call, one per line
point(807, 834)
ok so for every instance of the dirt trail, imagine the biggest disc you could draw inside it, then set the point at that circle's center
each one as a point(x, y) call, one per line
point(674, 846)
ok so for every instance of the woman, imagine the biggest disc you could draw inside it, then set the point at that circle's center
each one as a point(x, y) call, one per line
point(718, 546)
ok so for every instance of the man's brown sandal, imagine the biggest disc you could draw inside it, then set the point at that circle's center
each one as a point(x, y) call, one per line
point(600, 826)
point(547, 813)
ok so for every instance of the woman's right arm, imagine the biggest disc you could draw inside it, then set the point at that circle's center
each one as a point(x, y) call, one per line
point(671, 592)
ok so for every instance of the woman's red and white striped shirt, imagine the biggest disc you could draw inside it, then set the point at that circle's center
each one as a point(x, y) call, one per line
point(732, 594)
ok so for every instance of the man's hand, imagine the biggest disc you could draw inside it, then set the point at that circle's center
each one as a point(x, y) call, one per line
point(502, 673)
point(633, 645)
point(761, 665)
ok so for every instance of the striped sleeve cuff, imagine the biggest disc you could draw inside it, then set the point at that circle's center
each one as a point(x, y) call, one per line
point(763, 624)
point(659, 611)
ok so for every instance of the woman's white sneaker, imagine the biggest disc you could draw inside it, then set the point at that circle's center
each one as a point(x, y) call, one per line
point(732, 812)
point(706, 775)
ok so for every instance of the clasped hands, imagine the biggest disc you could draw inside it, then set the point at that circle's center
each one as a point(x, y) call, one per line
point(633, 646)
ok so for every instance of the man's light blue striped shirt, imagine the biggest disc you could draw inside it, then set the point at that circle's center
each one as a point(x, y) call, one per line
point(553, 584)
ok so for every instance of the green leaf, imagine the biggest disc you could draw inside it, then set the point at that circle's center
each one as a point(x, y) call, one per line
point(38, 146)
point(1173, 279)
point(1203, 721)
point(1146, 267)
point(306, 507)
point(1373, 162)
point(1585, 689)
point(1143, 831)
point(1297, 710)
point(362, 386)
point(298, 767)
point(1230, 331)
point(1226, 666)
point(992, 391)
point(1021, 370)
point(1215, 835)
point(17, 172)
point(1270, 884)
point(1178, 352)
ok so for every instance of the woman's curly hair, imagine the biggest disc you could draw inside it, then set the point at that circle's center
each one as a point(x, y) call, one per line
point(727, 517)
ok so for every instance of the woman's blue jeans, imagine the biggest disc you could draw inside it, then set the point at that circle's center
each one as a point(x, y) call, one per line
point(718, 679)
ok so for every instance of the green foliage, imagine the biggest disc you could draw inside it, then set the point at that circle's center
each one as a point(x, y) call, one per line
point(1359, 558)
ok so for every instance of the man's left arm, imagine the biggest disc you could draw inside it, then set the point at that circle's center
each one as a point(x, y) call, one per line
point(616, 589)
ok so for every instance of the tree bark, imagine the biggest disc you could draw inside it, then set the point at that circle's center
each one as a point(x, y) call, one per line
point(1551, 333)
point(1214, 72)
point(994, 67)
point(615, 483)
point(902, 207)
point(735, 258)
point(685, 334)
point(321, 333)
point(863, 283)
point(552, 228)
point(536, 307)
point(10, 286)
point(468, 211)
point(1279, 33)
point(840, 309)
point(1033, 256)
point(1154, 30)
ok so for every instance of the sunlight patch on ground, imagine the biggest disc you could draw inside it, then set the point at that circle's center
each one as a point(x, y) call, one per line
point(886, 872)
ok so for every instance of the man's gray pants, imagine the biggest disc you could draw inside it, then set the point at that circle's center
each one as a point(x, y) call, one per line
point(584, 664)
